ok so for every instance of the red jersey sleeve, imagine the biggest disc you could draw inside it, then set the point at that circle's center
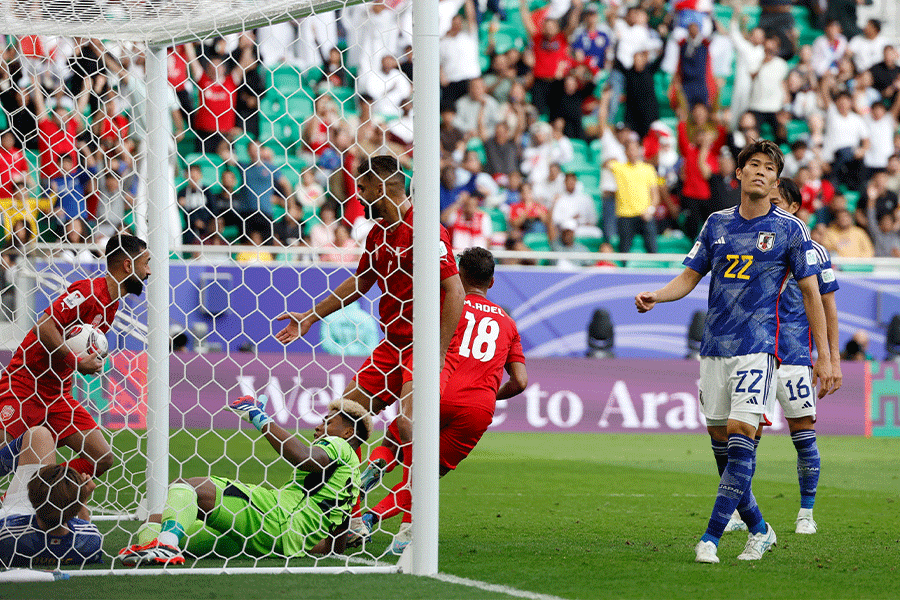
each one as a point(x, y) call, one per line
point(365, 269)
point(448, 261)
point(68, 308)
point(515, 354)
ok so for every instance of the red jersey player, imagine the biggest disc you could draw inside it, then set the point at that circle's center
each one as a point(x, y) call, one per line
point(36, 387)
point(387, 261)
point(485, 343)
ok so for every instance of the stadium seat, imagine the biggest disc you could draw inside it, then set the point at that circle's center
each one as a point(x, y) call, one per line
point(797, 128)
point(537, 241)
point(498, 219)
point(673, 245)
point(591, 243)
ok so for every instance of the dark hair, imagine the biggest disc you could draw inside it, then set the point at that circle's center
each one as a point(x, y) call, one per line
point(54, 494)
point(476, 266)
point(384, 167)
point(799, 144)
point(876, 23)
point(767, 147)
point(789, 191)
point(122, 246)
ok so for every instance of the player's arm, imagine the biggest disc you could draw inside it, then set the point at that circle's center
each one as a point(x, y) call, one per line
point(348, 292)
point(50, 336)
point(310, 458)
point(335, 542)
point(518, 381)
point(676, 289)
point(451, 311)
point(829, 305)
point(815, 313)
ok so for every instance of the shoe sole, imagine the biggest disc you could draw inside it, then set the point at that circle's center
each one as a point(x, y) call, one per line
point(707, 560)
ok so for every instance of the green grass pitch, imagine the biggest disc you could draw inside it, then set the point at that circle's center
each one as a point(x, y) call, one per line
point(582, 516)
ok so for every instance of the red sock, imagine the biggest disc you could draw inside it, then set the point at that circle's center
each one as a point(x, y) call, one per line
point(385, 453)
point(82, 465)
point(359, 453)
point(398, 500)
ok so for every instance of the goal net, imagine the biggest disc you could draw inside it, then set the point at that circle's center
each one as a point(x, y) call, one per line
point(226, 136)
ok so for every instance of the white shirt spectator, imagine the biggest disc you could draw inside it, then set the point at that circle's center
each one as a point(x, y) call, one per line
point(842, 132)
point(633, 39)
point(536, 160)
point(389, 90)
point(577, 206)
point(459, 55)
point(867, 52)
point(373, 30)
point(549, 190)
point(767, 90)
point(468, 110)
point(470, 232)
point(749, 59)
point(447, 9)
point(611, 149)
point(881, 140)
point(827, 53)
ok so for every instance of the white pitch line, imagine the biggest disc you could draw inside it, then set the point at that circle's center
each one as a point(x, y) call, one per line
point(492, 587)
point(481, 585)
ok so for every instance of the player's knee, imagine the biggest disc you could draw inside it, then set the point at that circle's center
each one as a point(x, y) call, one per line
point(104, 463)
point(38, 437)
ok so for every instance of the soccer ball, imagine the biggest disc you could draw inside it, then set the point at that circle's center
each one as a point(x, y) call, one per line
point(83, 340)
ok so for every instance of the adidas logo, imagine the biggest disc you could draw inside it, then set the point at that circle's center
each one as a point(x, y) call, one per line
point(721, 240)
point(807, 404)
point(753, 401)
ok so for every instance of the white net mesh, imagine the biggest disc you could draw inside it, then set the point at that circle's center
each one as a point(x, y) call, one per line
point(264, 130)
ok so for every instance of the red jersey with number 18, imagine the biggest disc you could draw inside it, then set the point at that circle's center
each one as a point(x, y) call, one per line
point(486, 340)
point(388, 261)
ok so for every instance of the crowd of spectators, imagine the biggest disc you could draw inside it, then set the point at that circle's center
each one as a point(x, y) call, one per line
point(558, 139)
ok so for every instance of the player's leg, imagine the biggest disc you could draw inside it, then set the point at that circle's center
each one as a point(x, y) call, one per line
point(95, 457)
point(799, 409)
point(38, 450)
point(736, 390)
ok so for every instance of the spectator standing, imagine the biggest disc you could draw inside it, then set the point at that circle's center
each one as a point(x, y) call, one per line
point(388, 87)
point(768, 90)
point(877, 201)
point(828, 49)
point(592, 44)
point(637, 196)
point(699, 141)
point(577, 87)
point(749, 54)
point(882, 125)
point(459, 55)
point(545, 149)
point(886, 75)
point(693, 81)
point(215, 117)
point(816, 192)
point(867, 48)
point(550, 45)
point(57, 133)
point(641, 104)
point(253, 84)
point(846, 136)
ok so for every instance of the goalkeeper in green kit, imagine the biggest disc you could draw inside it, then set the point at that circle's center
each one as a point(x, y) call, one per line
point(308, 515)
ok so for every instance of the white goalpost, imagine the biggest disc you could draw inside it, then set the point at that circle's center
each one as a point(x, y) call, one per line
point(155, 27)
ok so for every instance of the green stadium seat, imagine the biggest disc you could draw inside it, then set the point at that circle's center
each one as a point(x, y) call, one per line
point(498, 219)
point(591, 243)
point(796, 128)
point(673, 245)
point(852, 198)
point(536, 241)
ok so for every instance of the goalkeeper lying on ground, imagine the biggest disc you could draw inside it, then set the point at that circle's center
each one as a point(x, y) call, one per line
point(309, 514)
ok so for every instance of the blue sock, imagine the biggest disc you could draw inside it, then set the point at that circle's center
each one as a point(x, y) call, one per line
point(808, 464)
point(720, 452)
point(9, 456)
point(747, 507)
point(735, 481)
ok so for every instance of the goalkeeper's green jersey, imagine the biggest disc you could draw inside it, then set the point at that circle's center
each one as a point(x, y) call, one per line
point(329, 495)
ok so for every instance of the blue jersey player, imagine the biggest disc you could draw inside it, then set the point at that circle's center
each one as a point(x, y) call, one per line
point(44, 521)
point(750, 251)
point(795, 392)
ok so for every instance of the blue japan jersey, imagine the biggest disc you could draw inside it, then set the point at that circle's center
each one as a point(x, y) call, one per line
point(750, 262)
point(794, 340)
point(23, 544)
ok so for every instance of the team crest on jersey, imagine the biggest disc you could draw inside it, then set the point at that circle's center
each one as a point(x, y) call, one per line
point(7, 412)
point(765, 241)
point(73, 299)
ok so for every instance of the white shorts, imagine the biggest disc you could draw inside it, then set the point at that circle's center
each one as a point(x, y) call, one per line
point(737, 387)
point(16, 501)
point(796, 394)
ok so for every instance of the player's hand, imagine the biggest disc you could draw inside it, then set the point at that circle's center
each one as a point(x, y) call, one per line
point(297, 327)
point(90, 365)
point(252, 410)
point(645, 301)
point(837, 374)
point(823, 377)
point(87, 484)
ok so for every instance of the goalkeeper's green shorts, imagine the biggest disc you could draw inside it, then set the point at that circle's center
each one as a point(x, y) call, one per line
point(253, 516)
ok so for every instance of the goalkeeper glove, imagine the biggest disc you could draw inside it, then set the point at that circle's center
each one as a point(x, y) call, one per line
point(252, 410)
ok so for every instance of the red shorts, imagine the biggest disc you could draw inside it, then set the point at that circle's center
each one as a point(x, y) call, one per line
point(383, 374)
point(461, 428)
point(63, 415)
